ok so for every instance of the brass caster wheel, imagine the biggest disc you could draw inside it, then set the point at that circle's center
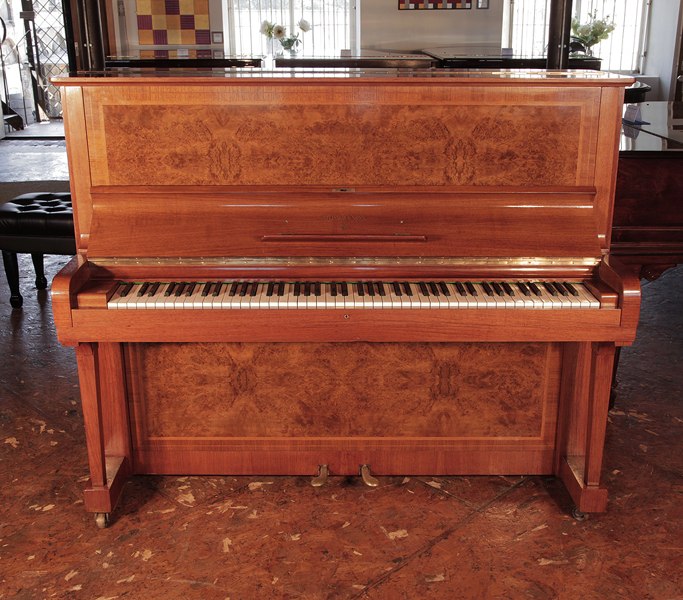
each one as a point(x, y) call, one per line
point(578, 515)
point(101, 520)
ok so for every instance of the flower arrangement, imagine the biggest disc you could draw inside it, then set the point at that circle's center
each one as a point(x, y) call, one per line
point(593, 31)
point(279, 32)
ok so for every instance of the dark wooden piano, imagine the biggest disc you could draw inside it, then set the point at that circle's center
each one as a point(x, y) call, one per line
point(647, 227)
point(379, 273)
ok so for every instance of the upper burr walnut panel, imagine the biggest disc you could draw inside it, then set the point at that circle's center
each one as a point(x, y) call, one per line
point(435, 135)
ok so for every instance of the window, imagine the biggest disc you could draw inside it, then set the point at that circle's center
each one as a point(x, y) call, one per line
point(332, 22)
point(526, 30)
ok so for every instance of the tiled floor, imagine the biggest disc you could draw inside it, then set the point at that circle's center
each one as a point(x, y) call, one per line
point(278, 537)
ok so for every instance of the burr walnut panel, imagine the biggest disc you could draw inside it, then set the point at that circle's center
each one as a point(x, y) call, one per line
point(363, 145)
point(352, 133)
point(343, 390)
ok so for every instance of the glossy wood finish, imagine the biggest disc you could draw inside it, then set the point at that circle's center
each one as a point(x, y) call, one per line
point(344, 404)
point(648, 218)
point(515, 174)
point(375, 222)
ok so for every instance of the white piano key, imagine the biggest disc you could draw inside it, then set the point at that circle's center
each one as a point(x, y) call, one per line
point(327, 300)
point(132, 299)
point(587, 298)
point(482, 297)
point(288, 300)
point(145, 301)
point(264, 301)
point(196, 300)
point(208, 299)
point(116, 297)
point(223, 300)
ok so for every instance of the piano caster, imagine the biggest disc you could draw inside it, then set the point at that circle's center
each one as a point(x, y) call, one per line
point(102, 520)
point(368, 479)
point(321, 479)
point(578, 515)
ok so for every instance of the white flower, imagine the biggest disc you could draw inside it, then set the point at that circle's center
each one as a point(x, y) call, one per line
point(304, 25)
point(265, 28)
point(279, 32)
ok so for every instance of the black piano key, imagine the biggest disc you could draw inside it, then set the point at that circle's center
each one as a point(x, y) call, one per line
point(281, 288)
point(471, 289)
point(307, 289)
point(170, 288)
point(153, 290)
point(244, 288)
point(179, 290)
point(380, 288)
point(233, 288)
point(433, 289)
point(217, 289)
point(206, 289)
point(423, 289)
point(344, 288)
point(461, 288)
point(333, 288)
point(371, 288)
point(270, 288)
point(508, 289)
point(534, 288)
point(571, 289)
point(190, 288)
point(254, 288)
point(406, 288)
point(444, 288)
point(498, 288)
point(397, 289)
point(297, 288)
point(523, 288)
point(560, 288)
point(359, 289)
point(143, 289)
point(550, 289)
point(318, 291)
point(487, 288)
point(126, 290)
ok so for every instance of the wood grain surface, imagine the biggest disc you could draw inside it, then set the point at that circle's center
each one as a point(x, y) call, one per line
point(420, 145)
point(294, 390)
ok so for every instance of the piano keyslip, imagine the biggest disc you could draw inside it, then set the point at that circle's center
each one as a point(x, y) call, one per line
point(262, 295)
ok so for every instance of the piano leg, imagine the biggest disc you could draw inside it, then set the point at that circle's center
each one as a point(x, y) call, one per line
point(107, 438)
point(583, 421)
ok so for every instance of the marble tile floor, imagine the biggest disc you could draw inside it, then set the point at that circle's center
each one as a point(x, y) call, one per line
point(278, 537)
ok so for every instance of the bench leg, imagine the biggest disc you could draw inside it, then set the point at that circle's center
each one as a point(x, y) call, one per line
point(12, 271)
point(41, 281)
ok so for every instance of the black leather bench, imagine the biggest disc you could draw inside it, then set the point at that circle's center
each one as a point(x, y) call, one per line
point(35, 224)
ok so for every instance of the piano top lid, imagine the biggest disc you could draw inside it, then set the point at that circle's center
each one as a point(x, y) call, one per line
point(257, 76)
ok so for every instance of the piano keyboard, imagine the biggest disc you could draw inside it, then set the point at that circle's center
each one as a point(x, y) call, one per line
point(350, 295)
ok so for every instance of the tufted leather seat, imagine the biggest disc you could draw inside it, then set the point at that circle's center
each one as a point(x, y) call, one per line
point(35, 224)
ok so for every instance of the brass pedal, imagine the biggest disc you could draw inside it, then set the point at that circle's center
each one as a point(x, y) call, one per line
point(368, 479)
point(321, 479)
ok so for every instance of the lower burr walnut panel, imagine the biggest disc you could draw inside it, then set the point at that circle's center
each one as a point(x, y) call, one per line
point(286, 407)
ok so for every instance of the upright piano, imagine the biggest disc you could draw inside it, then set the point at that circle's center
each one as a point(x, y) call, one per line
point(377, 273)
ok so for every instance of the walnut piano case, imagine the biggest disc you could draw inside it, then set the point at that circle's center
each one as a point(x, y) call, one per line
point(434, 176)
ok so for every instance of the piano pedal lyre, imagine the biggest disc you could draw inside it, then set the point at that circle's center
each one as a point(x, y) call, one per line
point(321, 479)
point(368, 479)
